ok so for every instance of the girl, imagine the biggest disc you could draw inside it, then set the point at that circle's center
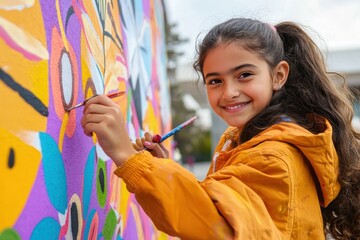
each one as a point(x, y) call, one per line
point(286, 168)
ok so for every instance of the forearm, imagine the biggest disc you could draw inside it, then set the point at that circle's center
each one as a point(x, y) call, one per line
point(173, 198)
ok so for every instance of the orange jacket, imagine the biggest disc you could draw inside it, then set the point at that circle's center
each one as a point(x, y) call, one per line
point(270, 187)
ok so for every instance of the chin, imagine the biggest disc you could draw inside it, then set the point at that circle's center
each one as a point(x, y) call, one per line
point(236, 124)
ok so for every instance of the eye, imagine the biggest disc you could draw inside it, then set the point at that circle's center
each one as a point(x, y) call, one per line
point(244, 75)
point(213, 81)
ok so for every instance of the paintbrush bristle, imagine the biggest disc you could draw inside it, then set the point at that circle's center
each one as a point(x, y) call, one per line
point(76, 106)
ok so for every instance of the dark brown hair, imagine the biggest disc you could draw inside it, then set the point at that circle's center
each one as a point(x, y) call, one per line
point(308, 90)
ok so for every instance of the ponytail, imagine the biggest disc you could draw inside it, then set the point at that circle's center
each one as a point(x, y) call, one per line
point(314, 92)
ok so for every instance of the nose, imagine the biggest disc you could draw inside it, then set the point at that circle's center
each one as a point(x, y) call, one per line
point(231, 90)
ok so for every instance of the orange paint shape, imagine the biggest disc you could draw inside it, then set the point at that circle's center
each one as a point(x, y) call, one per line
point(57, 49)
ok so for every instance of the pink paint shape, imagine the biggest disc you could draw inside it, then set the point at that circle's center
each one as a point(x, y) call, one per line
point(11, 43)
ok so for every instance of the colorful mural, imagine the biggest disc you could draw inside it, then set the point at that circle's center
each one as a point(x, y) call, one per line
point(56, 183)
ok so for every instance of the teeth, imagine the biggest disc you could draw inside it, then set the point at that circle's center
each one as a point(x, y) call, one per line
point(235, 107)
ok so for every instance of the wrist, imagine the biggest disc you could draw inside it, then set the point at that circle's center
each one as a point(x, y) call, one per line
point(121, 157)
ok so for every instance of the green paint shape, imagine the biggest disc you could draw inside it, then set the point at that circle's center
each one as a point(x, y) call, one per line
point(101, 183)
point(9, 234)
point(110, 225)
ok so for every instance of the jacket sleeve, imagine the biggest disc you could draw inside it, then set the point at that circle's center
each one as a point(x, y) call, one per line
point(221, 207)
point(173, 198)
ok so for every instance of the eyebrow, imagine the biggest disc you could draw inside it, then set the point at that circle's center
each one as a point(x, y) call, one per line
point(231, 70)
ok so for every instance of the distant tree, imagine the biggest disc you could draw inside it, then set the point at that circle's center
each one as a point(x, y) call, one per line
point(173, 41)
point(192, 141)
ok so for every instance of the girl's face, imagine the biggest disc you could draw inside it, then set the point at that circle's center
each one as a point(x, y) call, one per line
point(238, 83)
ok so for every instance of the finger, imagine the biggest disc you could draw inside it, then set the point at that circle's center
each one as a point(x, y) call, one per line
point(99, 100)
point(96, 108)
point(96, 123)
point(90, 128)
point(148, 137)
point(136, 147)
point(159, 152)
point(155, 149)
point(144, 142)
point(164, 149)
point(91, 117)
point(87, 132)
point(139, 142)
point(149, 145)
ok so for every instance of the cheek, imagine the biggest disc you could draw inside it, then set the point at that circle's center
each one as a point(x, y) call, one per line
point(263, 97)
point(212, 98)
point(260, 93)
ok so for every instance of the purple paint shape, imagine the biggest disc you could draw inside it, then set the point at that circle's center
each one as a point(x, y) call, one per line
point(37, 207)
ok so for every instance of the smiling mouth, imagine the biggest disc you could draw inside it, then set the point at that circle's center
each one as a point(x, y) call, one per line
point(236, 106)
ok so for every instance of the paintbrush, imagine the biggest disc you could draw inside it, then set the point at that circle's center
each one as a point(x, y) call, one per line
point(110, 95)
point(158, 139)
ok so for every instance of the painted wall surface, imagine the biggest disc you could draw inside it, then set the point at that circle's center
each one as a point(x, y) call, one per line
point(56, 183)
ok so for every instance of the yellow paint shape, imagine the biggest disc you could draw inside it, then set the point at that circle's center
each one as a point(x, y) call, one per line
point(85, 63)
point(17, 114)
point(151, 120)
point(124, 203)
point(115, 71)
point(62, 31)
point(93, 41)
point(64, 123)
point(17, 177)
point(16, 4)
point(137, 219)
point(29, 19)
point(24, 40)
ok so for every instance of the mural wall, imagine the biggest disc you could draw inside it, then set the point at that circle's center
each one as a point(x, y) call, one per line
point(56, 183)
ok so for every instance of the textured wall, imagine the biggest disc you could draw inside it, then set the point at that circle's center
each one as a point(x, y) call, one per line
point(55, 182)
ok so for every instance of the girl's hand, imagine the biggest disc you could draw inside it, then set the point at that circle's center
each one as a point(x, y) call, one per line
point(146, 142)
point(104, 118)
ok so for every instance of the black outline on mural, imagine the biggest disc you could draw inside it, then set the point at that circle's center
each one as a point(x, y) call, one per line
point(25, 94)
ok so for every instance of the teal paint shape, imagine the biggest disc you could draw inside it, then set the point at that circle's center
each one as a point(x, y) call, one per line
point(48, 228)
point(88, 180)
point(54, 172)
point(88, 223)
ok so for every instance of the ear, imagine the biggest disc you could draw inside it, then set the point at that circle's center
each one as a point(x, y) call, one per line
point(281, 72)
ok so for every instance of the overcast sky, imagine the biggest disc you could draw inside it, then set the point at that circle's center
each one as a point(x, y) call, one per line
point(337, 22)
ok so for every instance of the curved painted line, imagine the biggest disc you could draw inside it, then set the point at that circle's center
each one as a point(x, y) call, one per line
point(28, 96)
point(69, 13)
point(22, 41)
